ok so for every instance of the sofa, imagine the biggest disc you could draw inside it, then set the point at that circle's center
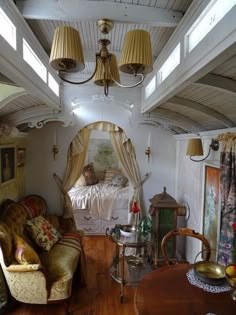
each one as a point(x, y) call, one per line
point(40, 254)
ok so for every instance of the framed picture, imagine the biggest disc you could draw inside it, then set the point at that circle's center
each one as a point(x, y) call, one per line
point(211, 213)
point(7, 164)
point(20, 158)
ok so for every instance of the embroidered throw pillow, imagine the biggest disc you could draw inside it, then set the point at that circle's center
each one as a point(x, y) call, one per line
point(24, 253)
point(89, 175)
point(109, 174)
point(43, 233)
point(119, 180)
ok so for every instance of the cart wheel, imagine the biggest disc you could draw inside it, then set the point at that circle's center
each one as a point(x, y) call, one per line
point(121, 299)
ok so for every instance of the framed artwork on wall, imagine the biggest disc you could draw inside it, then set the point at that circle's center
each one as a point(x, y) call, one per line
point(7, 159)
point(211, 210)
point(20, 157)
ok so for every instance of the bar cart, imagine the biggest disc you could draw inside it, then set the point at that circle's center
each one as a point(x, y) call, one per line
point(130, 262)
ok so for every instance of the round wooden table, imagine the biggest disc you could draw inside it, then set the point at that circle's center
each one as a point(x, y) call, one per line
point(167, 291)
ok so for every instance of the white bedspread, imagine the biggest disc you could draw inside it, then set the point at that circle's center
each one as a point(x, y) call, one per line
point(100, 199)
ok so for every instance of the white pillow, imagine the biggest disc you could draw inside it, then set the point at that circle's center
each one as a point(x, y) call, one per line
point(119, 180)
point(80, 182)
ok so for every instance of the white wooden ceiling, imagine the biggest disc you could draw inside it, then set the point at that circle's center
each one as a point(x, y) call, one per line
point(207, 104)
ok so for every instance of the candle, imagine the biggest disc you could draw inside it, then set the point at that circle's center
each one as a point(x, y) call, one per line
point(149, 139)
point(55, 138)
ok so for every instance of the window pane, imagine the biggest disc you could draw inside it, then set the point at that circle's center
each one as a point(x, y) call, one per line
point(213, 13)
point(170, 64)
point(7, 29)
point(52, 83)
point(35, 63)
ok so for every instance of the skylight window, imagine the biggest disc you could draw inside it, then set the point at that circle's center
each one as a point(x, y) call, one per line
point(150, 88)
point(213, 13)
point(31, 58)
point(170, 64)
point(7, 29)
point(52, 83)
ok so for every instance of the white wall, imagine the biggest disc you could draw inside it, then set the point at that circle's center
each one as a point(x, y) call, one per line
point(190, 188)
point(40, 163)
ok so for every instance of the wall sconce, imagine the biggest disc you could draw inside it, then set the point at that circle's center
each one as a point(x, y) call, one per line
point(195, 148)
point(148, 150)
point(54, 151)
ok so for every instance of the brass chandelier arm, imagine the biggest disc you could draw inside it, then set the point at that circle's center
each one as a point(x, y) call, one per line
point(130, 86)
point(80, 82)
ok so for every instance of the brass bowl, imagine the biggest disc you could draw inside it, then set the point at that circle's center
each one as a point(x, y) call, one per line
point(210, 272)
point(230, 273)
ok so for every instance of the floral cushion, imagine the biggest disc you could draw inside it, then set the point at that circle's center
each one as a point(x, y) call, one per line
point(43, 233)
point(24, 253)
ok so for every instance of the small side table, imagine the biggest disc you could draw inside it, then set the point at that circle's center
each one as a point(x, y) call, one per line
point(130, 262)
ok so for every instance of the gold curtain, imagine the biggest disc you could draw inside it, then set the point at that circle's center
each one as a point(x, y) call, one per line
point(75, 162)
point(126, 155)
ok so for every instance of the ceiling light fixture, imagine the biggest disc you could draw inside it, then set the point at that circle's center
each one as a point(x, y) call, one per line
point(136, 57)
point(195, 148)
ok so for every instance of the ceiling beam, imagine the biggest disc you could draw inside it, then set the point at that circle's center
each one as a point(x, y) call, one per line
point(203, 109)
point(75, 10)
point(11, 98)
point(177, 119)
point(219, 83)
point(215, 48)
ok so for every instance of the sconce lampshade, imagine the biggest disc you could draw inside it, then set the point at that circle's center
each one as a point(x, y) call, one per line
point(104, 74)
point(194, 147)
point(67, 52)
point(136, 53)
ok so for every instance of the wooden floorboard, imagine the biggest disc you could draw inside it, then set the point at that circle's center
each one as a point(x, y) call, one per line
point(100, 297)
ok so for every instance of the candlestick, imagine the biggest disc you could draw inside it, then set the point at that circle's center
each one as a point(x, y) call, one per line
point(54, 147)
point(149, 139)
point(148, 152)
point(55, 138)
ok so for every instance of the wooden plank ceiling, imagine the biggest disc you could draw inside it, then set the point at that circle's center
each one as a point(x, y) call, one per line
point(207, 104)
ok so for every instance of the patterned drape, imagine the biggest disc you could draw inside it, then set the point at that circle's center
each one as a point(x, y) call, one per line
point(228, 197)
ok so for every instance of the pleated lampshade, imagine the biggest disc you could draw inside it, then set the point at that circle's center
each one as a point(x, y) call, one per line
point(100, 75)
point(67, 50)
point(194, 147)
point(136, 52)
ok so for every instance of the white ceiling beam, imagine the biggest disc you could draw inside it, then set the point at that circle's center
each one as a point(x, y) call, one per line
point(75, 10)
point(38, 117)
point(13, 66)
point(219, 83)
point(177, 119)
point(215, 48)
point(203, 109)
point(11, 98)
point(162, 124)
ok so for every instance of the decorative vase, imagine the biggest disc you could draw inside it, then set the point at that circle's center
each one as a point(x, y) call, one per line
point(135, 210)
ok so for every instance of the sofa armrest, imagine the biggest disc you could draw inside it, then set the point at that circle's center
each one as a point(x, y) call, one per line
point(24, 268)
point(27, 287)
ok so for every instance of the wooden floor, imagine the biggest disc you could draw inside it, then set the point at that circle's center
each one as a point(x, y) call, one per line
point(100, 297)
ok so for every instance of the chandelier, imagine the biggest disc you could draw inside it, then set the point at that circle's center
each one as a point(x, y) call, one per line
point(136, 56)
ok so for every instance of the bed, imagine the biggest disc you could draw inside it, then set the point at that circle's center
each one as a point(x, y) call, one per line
point(100, 206)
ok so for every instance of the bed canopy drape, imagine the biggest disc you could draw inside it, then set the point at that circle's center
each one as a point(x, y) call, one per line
point(76, 158)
